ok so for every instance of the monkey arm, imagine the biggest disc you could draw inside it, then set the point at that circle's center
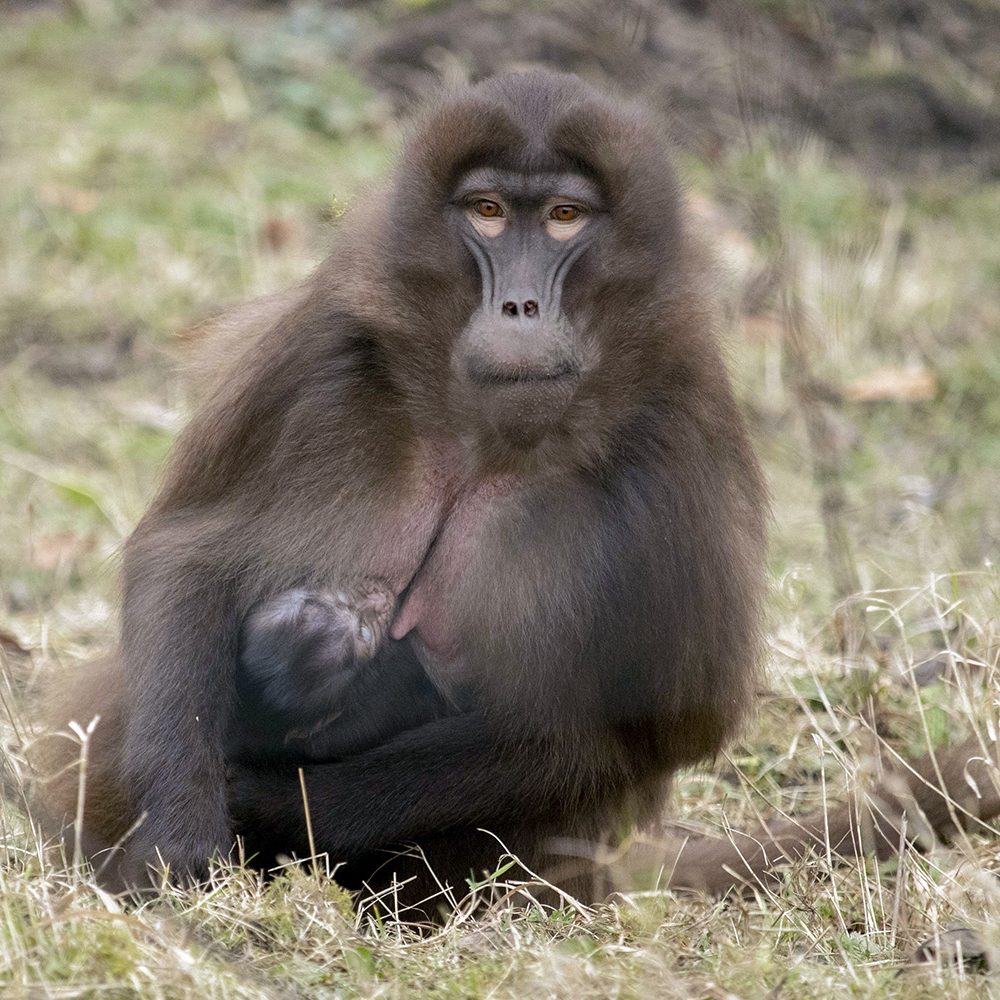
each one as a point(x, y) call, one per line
point(214, 543)
point(454, 772)
point(389, 695)
point(178, 651)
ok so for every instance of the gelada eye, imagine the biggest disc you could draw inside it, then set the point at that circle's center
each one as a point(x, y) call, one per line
point(487, 209)
point(565, 213)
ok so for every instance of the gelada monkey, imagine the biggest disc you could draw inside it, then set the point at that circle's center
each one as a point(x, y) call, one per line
point(470, 529)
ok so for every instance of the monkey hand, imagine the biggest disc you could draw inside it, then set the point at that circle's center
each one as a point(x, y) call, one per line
point(264, 799)
point(181, 857)
point(304, 647)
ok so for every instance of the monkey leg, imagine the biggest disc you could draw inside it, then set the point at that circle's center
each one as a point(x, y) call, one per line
point(76, 778)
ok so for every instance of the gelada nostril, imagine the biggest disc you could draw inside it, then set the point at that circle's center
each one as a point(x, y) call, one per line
point(531, 308)
point(510, 309)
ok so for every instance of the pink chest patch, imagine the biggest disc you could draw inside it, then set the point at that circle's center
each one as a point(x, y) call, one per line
point(456, 545)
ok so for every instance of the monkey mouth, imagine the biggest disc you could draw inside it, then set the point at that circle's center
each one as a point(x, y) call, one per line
point(523, 376)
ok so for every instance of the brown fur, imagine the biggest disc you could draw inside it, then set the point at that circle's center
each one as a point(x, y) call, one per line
point(601, 588)
point(93, 691)
point(211, 348)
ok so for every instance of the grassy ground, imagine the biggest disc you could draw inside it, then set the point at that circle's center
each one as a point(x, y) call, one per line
point(154, 164)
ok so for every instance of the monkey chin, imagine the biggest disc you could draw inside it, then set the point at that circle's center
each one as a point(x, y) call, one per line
point(522, 414)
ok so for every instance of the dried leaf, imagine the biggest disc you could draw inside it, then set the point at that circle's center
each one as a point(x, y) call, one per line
point(52, 551)
point(75, 200)
point(912, 384)
point(279, 232)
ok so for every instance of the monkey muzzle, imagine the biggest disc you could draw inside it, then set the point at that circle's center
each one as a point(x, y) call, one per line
point(518, 356)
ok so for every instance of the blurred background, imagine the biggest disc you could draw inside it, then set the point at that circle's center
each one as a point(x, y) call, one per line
point(160, 160)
